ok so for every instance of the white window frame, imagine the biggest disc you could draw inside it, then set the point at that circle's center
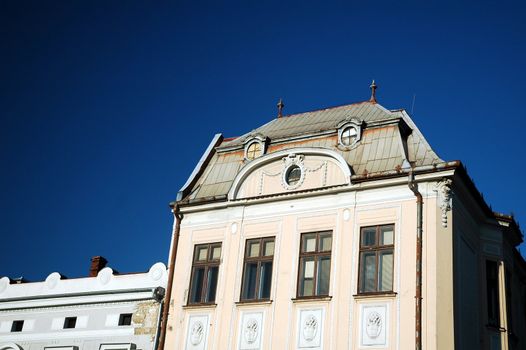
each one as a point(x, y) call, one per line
point(353, 123)
point(262, 144)
point(117, 346)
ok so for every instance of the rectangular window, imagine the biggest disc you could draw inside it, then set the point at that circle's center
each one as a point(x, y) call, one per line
point(492, 291)
point(376, 259)
point(315, 264)
point(205, 271)
point(17, 326)
point(125, 319)
point(70, 322)
point(257, 269)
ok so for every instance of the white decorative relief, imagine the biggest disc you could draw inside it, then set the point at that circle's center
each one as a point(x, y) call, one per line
point(233, 228)
point(10, 346)
point(52, 280)
point(4, 282)
point(251, 331)
point(157, 272)
point(288, 162)
point(105, 276)
point(346, 214)
point(443, 188)
point(197, 334)
point(310, 329)
point(374, 325)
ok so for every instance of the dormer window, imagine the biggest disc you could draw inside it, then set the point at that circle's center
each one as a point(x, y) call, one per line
point(255, 147)
point(253, 150)
point(349, 136)
point(349, 133)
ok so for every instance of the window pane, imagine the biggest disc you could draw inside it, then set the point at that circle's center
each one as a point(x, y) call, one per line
point(348, 136)
point(202, 253)
point(387, 235)
point(253, 249)
point(269, 248)
point(385, 279)
point(216, 253)
point(293, 175)
point(324, 273)
point(306, 281)
point(309, 242)
point(211, 284)
point(197, 285)
point(368, 272)
point(308, 271)
point(249, 284)
point(265, 280)
point(325, 242)
point(368, 236)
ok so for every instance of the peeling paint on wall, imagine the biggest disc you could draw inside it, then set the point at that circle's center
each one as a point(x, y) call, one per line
point(145, 318)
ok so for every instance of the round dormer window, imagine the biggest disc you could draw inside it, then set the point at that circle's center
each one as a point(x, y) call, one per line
point(254, 150)
point(293, 175)
point(349, 136)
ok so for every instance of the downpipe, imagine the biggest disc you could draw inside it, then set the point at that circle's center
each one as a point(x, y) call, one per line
point(418, 292)
point(166, 303)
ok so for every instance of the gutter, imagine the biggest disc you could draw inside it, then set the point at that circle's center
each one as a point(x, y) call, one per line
point(166, 303)
point(418, 292)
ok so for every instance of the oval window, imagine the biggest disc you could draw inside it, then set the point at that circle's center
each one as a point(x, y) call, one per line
point(349, 136)
point(293, 175)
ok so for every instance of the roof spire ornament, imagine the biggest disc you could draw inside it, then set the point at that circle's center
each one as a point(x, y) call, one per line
point(373, 92)
point(280, 108)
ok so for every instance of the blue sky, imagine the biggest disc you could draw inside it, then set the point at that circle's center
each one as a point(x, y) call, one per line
point(105, 107)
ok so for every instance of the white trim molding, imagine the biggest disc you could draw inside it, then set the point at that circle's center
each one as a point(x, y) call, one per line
point(268, 158)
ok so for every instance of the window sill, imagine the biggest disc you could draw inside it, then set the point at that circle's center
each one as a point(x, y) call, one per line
point(375, 295)
point(253, 302)
point(199, 306)
point(325, 298)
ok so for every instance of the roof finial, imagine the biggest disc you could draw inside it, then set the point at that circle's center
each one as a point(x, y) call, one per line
point(373, 91)
point(280, 108)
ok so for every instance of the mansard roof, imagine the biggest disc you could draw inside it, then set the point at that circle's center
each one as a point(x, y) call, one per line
point(389, 141)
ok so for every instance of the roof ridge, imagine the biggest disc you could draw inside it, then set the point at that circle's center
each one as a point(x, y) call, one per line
point(327, 108)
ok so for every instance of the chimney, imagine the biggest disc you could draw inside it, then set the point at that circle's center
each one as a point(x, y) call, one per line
point(97, 264)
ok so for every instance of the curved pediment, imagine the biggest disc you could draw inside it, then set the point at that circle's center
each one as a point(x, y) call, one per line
point(290, 170)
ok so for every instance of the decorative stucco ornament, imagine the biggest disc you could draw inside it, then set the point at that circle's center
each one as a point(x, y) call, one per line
point(373, 325)
point(10, 346)
point(157, 271)
point(52, 280)
point(290, 161)
point(346, 214)
point(105, 275)
point(233, 227)
point(251, 331)
point(310, 328)
point(443, 188)
point(197, 332)
point(4, 282)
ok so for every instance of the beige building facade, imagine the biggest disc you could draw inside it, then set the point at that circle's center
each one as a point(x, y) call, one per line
point(303, 234)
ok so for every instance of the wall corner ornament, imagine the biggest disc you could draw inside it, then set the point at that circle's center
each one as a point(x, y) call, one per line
point(443, 188)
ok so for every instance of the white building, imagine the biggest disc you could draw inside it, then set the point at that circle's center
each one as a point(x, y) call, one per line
point(105, 311)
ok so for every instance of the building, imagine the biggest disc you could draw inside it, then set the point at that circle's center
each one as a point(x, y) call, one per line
point(340, 228)
point(106, 311)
